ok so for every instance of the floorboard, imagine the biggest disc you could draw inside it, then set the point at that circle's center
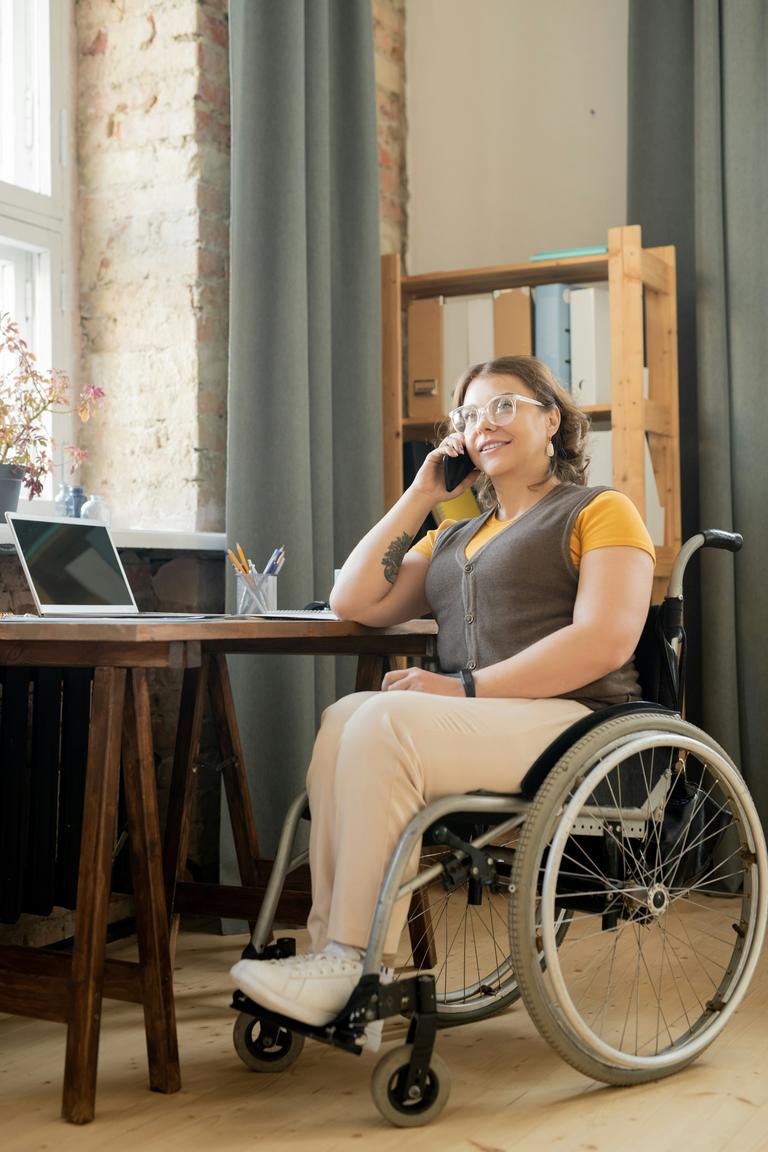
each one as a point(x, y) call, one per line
point(510, 1091)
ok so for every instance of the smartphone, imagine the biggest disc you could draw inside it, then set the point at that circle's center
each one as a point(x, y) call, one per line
point(455, 469)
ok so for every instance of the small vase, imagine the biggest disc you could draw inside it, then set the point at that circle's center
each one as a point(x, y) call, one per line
point(95, 509)
point(11, 477)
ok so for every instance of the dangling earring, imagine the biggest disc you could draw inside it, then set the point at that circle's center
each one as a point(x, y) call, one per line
point(550, 449)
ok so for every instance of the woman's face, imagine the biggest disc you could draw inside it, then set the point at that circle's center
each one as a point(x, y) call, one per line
point(519, 446)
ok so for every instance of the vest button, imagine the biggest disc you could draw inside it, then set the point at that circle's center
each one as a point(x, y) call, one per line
point(468, 568)
point(470, 619)
point(471, 665)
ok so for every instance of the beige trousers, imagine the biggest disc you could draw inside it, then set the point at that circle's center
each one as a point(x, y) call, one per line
point(379, 757)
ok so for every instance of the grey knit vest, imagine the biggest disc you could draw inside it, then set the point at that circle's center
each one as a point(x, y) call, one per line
point(519, 587)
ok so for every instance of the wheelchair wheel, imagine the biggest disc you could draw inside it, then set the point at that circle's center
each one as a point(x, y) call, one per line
point(645, 836)
point(462, 938)
point(265, 1047)
point(387, 1089)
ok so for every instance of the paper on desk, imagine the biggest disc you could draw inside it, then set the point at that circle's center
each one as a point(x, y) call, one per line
point(293, 614)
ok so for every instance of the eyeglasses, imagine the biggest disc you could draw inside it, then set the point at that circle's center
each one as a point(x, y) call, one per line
point(500, 410)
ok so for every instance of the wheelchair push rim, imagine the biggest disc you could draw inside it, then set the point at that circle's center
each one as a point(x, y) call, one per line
point(673, 962)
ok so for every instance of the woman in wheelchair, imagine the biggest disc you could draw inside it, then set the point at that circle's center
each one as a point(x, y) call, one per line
point(540, 602)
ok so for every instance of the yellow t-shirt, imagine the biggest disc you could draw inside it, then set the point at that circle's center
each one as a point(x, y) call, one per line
point(610, 520)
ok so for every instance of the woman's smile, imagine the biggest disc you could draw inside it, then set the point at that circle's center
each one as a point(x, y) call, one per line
point(491, 444)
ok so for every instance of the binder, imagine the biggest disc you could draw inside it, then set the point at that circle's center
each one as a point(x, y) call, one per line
point(455, 346)
point(425, 359)
point(463, 507)
point(552, 329)
point(512, 334)
point(480, 329)
point(590, 345)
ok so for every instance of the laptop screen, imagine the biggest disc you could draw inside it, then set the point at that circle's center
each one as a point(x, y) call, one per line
point(71, 564)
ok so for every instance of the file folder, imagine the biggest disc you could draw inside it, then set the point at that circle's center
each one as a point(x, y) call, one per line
point(552, 329)
point(512, 330)
point(590, 345)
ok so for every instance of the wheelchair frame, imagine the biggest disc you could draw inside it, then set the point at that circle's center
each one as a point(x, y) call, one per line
point(563, 807)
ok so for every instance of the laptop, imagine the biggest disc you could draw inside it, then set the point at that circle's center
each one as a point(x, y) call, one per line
point(73, 569)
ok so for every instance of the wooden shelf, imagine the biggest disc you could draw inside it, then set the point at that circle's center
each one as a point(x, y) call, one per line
point(643, 323)
point(472, 281)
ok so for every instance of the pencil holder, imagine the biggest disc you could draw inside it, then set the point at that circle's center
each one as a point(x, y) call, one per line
point(256, 593)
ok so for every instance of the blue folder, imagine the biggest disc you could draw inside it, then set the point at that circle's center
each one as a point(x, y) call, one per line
point(552, 329)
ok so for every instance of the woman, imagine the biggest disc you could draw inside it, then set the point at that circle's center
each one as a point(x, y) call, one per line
point(540, 603)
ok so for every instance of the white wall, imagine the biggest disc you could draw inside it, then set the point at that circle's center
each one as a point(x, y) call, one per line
point(517, 135)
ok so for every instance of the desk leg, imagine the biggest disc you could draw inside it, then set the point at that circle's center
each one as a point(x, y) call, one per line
point(148, 888)
point(93, 885)
point(177, 824)
point(233, 770)
point(371, 668)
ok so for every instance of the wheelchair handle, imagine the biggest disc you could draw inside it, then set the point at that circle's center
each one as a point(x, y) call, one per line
point(716, 538)
point(709, 538)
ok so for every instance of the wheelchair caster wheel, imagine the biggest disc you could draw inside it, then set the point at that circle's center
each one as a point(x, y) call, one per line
point(387, 1083)
point(264, 1047)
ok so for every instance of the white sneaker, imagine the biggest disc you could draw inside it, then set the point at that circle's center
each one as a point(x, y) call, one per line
point(313, 987)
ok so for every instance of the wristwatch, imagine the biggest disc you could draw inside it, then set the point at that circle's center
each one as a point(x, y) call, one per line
point(468, 681)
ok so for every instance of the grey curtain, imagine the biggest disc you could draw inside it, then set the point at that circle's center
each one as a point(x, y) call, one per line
point(731, 130)
point(660, 195)
point(707, 63)
point(304, 462)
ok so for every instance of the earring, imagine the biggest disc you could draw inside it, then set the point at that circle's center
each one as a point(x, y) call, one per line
point(550, 449)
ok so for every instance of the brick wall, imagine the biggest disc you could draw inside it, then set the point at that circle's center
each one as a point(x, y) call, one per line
point(153, 159)
point(389, 46)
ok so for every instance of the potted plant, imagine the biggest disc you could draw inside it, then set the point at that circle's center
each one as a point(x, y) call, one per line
point(26, 394)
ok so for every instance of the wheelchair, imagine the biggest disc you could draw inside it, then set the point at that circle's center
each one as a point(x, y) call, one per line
point(621, 895)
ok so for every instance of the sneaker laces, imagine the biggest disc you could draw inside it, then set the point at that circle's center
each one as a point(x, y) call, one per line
point(322, 963)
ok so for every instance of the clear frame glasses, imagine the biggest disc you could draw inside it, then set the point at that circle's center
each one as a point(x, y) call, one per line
point(499, 410)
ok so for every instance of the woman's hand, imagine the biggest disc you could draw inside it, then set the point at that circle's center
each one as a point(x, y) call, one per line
point(417, 680)
point(430, 479)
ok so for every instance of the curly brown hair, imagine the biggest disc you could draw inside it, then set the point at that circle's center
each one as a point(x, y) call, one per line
point(570, 461)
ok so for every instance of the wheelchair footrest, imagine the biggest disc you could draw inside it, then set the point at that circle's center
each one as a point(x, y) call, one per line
point(339, 1037)
point(371, 1000)
point(277, 950)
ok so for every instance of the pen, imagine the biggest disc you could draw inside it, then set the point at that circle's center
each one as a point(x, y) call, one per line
point(269, 568)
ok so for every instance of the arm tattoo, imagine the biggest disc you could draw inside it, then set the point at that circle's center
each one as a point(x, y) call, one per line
point(393, 557)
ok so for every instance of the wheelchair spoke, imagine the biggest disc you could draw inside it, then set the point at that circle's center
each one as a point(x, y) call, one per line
point(686, 942)
point(468, 941)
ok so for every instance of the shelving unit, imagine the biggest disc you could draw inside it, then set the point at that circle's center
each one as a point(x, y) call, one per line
point(643, 322)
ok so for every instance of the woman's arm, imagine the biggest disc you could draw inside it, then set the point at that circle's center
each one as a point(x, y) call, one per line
point(379, 585)
point(608, 617)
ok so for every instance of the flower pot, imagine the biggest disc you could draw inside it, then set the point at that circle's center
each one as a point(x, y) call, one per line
point(11, 477)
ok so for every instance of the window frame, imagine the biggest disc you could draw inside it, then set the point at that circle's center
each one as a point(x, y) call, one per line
point(40, 222)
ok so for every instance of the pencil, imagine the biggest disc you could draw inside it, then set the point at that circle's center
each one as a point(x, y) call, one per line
point(235, 562)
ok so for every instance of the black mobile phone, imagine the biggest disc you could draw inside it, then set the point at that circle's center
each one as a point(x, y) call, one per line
point(455, 468)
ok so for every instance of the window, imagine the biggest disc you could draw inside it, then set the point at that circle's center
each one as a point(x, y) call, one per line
point(25, 68)
point(36, 234)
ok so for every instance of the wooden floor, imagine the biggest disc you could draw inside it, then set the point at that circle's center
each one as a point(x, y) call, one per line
point(509, 1090)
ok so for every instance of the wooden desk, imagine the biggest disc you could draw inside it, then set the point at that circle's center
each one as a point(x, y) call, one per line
point(70, 989)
